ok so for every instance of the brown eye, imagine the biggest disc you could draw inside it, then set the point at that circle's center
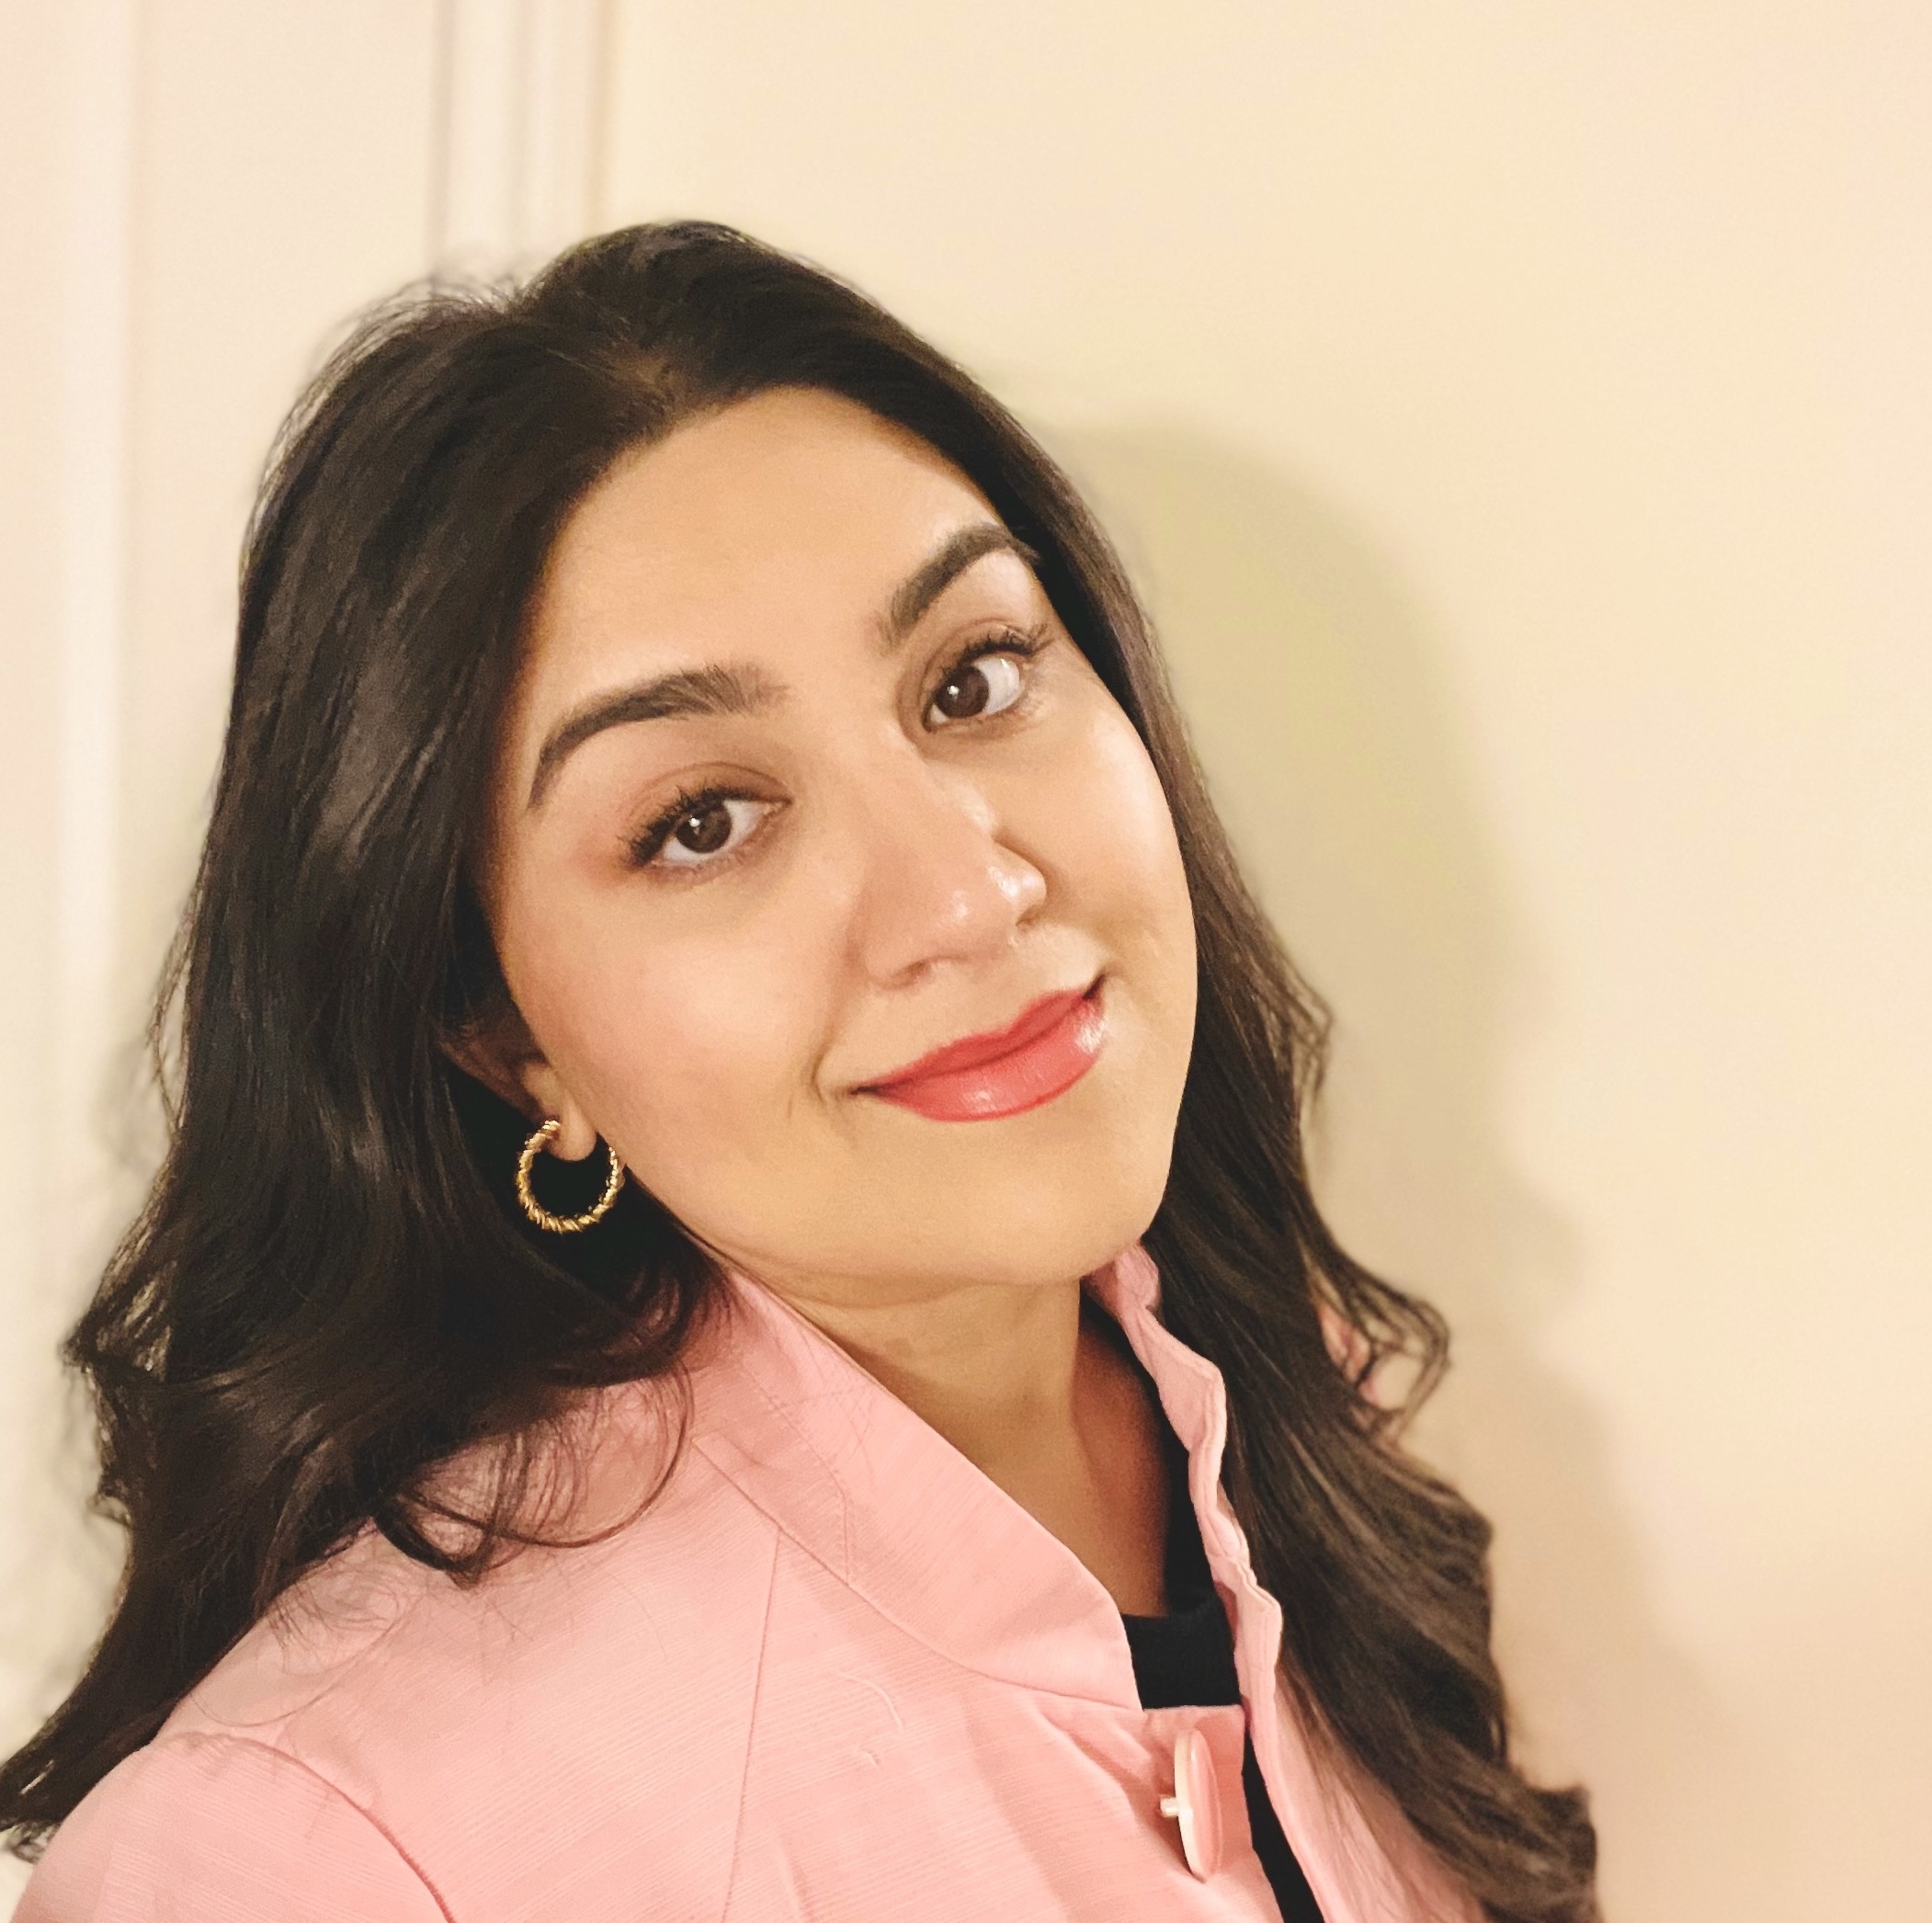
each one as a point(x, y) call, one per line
point(698, 827)
point(704, 830)
point(987, 684)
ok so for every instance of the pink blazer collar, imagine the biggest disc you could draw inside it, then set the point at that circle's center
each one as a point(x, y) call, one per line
point(882, 1501)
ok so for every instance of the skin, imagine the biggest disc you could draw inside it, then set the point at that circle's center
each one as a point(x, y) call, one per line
point(895, 877)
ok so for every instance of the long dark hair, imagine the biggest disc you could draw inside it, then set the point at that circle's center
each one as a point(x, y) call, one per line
point(330, 1291)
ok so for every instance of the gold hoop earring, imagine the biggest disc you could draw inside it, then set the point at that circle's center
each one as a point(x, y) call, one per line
point(563, 1224)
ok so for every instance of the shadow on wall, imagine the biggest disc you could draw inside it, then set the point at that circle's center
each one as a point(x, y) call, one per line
point(1308, 677)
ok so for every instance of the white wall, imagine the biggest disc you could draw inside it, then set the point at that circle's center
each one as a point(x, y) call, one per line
point(196, 193)
point(1521, 420)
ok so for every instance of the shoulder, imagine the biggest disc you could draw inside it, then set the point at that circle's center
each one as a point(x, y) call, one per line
point(377, 1641)
point(437, 1741)
point(207, 1826)
point(377, 1662)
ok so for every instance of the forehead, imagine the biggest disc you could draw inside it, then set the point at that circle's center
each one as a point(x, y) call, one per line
point(755, 528)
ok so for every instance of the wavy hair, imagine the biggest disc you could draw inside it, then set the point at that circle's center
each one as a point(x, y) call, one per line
point(330, 1291)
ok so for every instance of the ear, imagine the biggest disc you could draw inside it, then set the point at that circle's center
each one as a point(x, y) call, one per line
point(502, 1054)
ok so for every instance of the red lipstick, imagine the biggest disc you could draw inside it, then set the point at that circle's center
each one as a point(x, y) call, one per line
point(1006, 1071)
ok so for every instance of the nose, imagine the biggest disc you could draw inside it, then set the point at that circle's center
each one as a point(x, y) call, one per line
point(941, 882)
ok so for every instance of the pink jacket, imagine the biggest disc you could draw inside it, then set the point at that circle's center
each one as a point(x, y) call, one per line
point(834, 1673)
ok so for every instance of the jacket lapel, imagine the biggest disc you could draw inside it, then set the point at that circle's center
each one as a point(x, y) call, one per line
point(881, 1498)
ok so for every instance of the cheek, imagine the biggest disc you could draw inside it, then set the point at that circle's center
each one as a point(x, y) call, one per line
point(674, 1044)
point(1109, 827)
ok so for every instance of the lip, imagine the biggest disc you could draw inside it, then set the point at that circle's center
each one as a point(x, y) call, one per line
point(1004, 1072)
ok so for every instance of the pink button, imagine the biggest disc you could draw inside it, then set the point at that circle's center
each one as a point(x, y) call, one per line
point(1196, 1802)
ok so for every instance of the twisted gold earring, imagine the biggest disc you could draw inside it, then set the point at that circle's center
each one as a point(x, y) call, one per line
point(563, 1224)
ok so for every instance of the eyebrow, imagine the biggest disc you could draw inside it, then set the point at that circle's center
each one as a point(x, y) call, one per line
point(938, 571)
point(716, 690)
point(744, 689)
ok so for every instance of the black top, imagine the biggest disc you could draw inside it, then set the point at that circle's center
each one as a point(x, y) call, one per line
point(1188, 1657)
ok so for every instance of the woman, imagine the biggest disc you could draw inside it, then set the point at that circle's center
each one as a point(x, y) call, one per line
point(733, 1325)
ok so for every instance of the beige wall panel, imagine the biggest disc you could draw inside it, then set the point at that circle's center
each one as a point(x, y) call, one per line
point(199, 193)
point(1521, 419)
point(285, 183)
point(35, 221)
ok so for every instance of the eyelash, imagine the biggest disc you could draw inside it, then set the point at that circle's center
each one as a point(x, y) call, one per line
point(1026, 643)
point(645, 845)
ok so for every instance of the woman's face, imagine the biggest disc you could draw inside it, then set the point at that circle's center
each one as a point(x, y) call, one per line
point(896, 847)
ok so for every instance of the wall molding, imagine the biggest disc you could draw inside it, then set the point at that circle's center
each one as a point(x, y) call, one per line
point(102, 57)
point(518, 130)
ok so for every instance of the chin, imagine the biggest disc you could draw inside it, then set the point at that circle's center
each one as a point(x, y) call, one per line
point(1002, 1201)
point(1069, 1209)
point(1048, 1232)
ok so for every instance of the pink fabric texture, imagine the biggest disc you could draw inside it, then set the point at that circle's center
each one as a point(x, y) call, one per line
point(834, 1672)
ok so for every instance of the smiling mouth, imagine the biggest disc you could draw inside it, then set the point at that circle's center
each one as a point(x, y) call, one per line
point(1052, 1044)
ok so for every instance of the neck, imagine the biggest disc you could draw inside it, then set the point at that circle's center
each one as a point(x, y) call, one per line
point(1027, 1385)
point(997, 1369)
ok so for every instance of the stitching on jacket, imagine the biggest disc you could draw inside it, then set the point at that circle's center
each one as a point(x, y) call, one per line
point(203, 1737)
point(751, 1724)
point(905, 1629)
point(1197, 1364)
point(805, 1441)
